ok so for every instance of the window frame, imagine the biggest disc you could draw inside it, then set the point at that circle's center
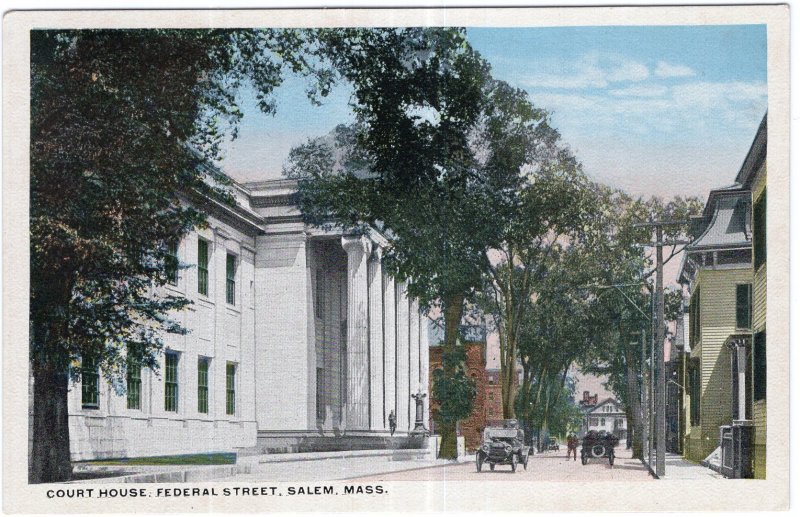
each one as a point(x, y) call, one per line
point(203, 384)
point(133, 378)
point(230, 388)
point(748, 306)
point(90, 376)
point(171, 262)
point(203, 259)
point(171, 382)
point(231, 267)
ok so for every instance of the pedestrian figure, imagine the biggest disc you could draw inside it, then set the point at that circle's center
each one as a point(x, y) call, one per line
point(572, 446)
point(392, 422)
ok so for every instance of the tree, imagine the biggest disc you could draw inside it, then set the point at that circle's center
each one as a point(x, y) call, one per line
point(425, 164)
point(124, 125)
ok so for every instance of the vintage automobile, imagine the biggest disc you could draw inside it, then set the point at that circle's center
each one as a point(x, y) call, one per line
point(553, 445)
point(503, 445)
point(598, 444)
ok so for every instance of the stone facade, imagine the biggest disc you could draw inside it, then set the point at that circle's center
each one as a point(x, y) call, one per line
point(309, 339)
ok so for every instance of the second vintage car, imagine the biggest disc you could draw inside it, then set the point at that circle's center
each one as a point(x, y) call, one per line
point(503, 445)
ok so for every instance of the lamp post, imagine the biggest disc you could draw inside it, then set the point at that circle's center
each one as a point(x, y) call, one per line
point(419, 423)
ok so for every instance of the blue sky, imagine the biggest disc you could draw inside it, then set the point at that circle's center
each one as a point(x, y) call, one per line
point(652, 110)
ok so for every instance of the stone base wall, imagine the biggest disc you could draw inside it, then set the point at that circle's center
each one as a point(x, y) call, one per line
point(94, 438)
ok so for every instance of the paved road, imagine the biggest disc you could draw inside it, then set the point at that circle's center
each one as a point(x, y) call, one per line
point(548, 466)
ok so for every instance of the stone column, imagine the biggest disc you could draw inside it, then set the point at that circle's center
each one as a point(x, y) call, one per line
point(389, 348)
point(375, 277)
point(357, 408)
point(413, 349)
point(403, 390)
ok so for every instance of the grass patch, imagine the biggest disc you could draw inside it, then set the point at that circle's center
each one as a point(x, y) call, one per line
point(215, 458)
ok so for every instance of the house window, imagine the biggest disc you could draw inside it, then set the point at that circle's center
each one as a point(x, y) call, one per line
point(202, 385)
point(593, 421)
point(694, 393)
point(744, 304)
point(171, 262)
point(170, 382)
point(760, 366)
point(760, 231)
point(694, 318)
point(602, 422)
point(133, 379)
point(230, 389)
point(230, 279)
point(90, 383)
point(202, 267)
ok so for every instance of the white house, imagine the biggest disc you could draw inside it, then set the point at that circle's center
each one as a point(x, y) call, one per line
point(298, 341)
point(607, 416)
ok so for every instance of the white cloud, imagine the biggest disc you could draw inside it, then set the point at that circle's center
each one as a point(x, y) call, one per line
point(655, 90)
point(591, 71)
point(664, 69)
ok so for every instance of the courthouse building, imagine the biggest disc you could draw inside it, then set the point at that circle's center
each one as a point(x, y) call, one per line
point(298, 341)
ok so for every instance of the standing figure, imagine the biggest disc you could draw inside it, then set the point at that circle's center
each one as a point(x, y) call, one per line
point(572, 446)
point(392, 422)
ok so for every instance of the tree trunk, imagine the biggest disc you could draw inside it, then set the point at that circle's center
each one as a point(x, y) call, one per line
point(633, 410)
point(50, 456)
point(453, 311)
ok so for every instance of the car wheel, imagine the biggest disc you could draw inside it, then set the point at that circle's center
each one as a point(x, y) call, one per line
point(525, 462)
point(599, 450)
point(478, 461)
point(611, 459)
point(514, 463)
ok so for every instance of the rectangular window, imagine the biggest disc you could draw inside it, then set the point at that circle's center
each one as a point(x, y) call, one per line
point(171, 263)
point(321, 394)
point(760, 366)
point(694, 392)
point(694, 318)
point(133, 379)
point(202, 267)
point(593, 421)
point(230, 279)
point(744, 304)
point(202, 385)
point(230, 389)
point(90, 383)
point(760, 231)
point(170, 382)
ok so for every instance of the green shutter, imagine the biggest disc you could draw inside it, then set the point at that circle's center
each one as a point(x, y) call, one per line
point(760, 366)
point(743, 306)
point(202, 385)
point(760, 231)
point(202, 267)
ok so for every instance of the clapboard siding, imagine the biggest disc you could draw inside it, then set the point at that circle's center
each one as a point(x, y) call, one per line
point(760, 440)
point(718, 321)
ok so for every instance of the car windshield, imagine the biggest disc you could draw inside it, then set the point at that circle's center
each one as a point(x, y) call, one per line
point(505, 435)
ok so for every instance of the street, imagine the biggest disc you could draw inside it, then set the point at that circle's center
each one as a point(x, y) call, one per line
point(547, 466)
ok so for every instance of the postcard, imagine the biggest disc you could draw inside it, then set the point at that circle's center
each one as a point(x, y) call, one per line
point(439, 259)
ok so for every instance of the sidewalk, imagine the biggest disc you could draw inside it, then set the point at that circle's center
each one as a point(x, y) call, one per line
point(677, 468)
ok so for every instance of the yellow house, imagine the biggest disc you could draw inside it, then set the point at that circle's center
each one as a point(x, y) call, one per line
point(753, 176)
point(718, 272)
point(724, 370)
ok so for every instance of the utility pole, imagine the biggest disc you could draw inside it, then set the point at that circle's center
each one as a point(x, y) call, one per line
point(644, 402)
point(658, 391)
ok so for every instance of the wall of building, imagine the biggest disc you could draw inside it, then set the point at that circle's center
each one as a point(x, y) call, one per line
point(718, 321)
point(221, 332)
point(759, 324)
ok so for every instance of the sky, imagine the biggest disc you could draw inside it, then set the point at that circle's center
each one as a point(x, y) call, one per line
point(653, 110)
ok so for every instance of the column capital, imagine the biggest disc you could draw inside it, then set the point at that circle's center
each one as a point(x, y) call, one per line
point(353, 243)
point(377, 252)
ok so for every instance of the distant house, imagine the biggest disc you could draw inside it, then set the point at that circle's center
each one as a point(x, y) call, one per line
point(607, 416)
